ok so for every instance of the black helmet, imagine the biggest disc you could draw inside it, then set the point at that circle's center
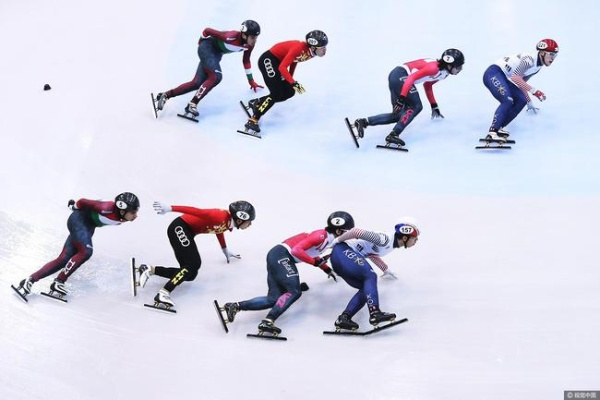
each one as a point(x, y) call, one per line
point(453, 58)
point(242, 210)
point(317, 38)
point(339, 220)
point(127, 201)
point(250, 27)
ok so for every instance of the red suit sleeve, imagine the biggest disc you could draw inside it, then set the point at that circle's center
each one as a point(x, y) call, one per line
point(221, 239)
point(196, 212)
point(246, 59)
point(313, 240)
point(215, 33)
point(428, 86)
point(289, 61)
point(206, 221)
point(99, 206)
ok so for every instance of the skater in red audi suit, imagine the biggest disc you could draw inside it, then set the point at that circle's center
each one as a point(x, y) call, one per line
point(181, 233)
point(277, 66)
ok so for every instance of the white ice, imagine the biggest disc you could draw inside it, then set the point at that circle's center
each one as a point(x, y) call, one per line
point(501, 291)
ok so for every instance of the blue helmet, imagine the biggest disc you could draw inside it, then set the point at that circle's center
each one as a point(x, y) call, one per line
point(406, 227)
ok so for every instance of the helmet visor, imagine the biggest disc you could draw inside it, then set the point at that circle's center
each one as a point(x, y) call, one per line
point(320, 51)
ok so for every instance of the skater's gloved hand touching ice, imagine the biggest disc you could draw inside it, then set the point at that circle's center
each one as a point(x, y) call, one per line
point(435, 111)
point(298, 87)
point(531, 108)
point(254, 86)
point(161, 208)
point(229, 255)
point(389, 274)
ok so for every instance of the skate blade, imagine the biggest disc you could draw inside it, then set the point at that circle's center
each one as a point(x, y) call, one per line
point(250, 133)
point(220, 310)
point(23, 296)
point(57, 296)
point(154, 109)
point(492, 145)
point(392, 147)
point(162, 308)
point(507, 141)
point(188, 116)
point(375, 329)
point(263, 336)
point(134, 282)
point(350, 127)
point(338, 329)
point(245, 108)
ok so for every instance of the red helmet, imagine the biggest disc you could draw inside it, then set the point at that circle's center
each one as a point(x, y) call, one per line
point(547, 45)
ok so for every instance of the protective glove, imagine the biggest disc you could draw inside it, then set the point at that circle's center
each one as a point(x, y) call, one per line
point(254, 86)
point(298, 87)
point(389, 274)
point(71, 205)
point(229, 255)
point(435, 111)
point(400, 103)
point(320, 261)
point(531, 108)
point(540, 95)
point(161, 208)
point(329, 273)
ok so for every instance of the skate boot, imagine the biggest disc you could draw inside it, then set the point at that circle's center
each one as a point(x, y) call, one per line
point(360, 125)
point(25, 285)
point(493, 134)
point(231, 309)
point(503, 133)
point(345, 322)
point(266, 325)
point(379, 316)
point(191, 108)
point(253, 105)
point(163, 298)
point(161, 99)
point(394, 138)
point(58, 287)
point(252, 125)
point(146, 271)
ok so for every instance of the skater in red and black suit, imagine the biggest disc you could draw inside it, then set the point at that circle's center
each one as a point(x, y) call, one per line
point(211, 47)
point(278, 65)
point(181, 233)
point(87, 215)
